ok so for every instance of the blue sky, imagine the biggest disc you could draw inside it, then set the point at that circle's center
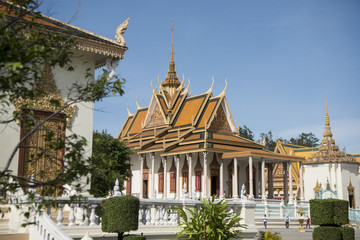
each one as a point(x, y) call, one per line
point(281, 58)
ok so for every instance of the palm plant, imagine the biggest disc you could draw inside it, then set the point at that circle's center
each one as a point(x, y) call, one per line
point(212, 222)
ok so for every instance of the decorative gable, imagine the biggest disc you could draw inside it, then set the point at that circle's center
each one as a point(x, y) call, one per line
point(156, 117)
point(220, 121)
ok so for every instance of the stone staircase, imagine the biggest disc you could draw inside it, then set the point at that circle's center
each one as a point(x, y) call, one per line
point(5, 232)
point(277, 223)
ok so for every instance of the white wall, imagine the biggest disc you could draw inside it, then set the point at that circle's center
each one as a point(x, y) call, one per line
point(82, 123)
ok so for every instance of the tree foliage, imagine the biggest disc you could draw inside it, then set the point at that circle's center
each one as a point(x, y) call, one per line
point(245, 132)
point(305, 139)
point(110, 161)
point(270, 143)
point(212, 221)
point(26, 46)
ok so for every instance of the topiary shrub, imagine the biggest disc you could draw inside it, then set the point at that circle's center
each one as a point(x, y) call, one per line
point(327, 233)
point(348, 233)
point(341, 212)
point(134, 237)
point(329, 212)
point(321, 212)
point(120, 214)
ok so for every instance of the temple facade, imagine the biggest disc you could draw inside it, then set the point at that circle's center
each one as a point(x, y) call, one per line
point(188, 147)
point(92, 52)
point(328, 172)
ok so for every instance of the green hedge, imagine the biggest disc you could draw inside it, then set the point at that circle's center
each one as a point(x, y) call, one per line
point(327, 212)
point(341, 212)
point(348, 233)
point(327, 233)
point(120, 214)
point(134, 237)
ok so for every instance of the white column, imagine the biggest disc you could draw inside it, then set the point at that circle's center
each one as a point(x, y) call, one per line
point(222, 195)
point(263, 196)
point(189, 159)
point(152, 176)
point(235, 180)
point(291, 194)
point(141, 160)
point(178, 188)
point(205, 190)
point(251, 185)
point(164, 161)
point(301, 182)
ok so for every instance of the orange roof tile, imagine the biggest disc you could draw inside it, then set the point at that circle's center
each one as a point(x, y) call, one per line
point(138, 119)
point(126, 126)
point(189, 111)
point(207, 113)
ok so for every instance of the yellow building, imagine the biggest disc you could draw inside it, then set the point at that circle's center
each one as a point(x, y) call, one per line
point(327, 153)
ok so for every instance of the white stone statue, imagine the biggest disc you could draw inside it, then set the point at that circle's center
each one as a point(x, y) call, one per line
point(243, 192)
point(184, 188)
point(116, 189)
point(111, 64)
point(120, 31)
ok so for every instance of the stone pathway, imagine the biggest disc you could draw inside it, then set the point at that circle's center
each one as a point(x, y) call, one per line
point(294, 234)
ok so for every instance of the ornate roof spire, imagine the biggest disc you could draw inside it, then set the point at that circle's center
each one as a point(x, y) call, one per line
point(327, 133)
point(171, 82)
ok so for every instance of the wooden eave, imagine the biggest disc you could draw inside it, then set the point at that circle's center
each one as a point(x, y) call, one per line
point(263, 154)
point(85, 40)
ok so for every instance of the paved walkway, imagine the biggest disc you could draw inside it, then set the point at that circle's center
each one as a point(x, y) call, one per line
point(294, 234)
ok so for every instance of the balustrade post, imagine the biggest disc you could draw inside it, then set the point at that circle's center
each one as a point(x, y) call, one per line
point(60, 216)
point(166, 216)
point(93, 215)
point(72, 215)
point(148, 215)
point(141, 214)
point(157, 215)
point(85, 218)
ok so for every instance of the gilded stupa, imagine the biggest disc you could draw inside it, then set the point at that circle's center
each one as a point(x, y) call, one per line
point(328, 150)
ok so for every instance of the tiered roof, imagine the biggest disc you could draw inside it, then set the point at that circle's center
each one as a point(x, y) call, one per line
point(327, 151)
point(176, 122)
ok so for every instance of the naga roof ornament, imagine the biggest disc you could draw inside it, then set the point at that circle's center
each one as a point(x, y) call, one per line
point(120, 31)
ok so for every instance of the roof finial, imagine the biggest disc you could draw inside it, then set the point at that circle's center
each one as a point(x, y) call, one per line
point(327, 132)
point(171, 82)
point(172, 42)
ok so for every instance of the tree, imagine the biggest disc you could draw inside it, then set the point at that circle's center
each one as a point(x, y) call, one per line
point(212, 221)
point(245, 132)
point(270, 144)
point(120, 214)
point(27, 46)
point(110, 161)
point(305, 139)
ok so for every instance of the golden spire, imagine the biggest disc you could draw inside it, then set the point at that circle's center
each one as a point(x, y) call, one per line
point(327, 132)
point(171, 82)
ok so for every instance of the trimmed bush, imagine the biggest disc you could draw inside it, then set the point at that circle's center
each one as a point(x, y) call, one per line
point(329, 212)
point(134, 237)
point(120, 214)
point(341, 212)
point(327, 233)
point(348, 233)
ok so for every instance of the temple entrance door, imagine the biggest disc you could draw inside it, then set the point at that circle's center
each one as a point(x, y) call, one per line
point(351, 198)
point(230, 182)
point(214, 184)
point(145, 185)
point(145, 189)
